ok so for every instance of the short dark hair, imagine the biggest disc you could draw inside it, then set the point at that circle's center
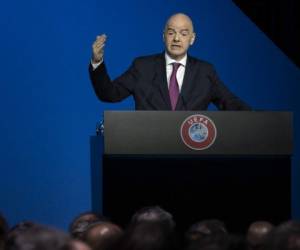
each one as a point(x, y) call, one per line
point(207, 234)
point(151, 228)
point(148, 235)
point(257, 234)
point(102, 235)
point(153, 214)
point(40, 237)
point(285, 236)
point(78, 225)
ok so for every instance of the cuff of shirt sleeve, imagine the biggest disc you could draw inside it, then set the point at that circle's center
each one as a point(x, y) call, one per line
point(96, 65)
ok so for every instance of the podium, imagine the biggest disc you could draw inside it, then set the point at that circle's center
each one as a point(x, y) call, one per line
point(230, 165)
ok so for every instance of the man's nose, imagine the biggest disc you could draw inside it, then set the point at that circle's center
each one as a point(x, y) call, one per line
point(176, 37)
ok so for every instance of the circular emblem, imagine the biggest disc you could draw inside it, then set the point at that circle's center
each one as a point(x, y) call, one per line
point(198, 132)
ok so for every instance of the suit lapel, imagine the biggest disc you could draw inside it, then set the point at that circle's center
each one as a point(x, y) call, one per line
point(160, 80)
point(187, 86)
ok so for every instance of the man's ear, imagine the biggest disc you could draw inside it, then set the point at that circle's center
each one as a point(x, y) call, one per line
point(193, 39)
point(164, 36)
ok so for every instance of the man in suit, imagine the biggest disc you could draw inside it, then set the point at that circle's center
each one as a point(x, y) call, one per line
point(172, 80)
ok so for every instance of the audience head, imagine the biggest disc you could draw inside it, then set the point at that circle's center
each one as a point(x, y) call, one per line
point(39, 237)
point(286, 236)
point(148, 236)
point(82, 221)
point(151, 228)
point(207, 234)
point(206, 227)
point(153, 214)
point(257, 233)
point(102, 235)
point(18, 229)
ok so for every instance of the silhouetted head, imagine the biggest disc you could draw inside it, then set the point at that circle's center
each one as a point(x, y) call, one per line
point(151, 228)
point(257, 233)
point(102, 235)
point(206, 228)
point(286, 236)
point(82, 221)
point(40, 237)
point(18, 229)
point(148, 235)
point(153, 214)
point(207, 234)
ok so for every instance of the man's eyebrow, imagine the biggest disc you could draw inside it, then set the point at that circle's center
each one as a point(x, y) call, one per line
point(186, 29)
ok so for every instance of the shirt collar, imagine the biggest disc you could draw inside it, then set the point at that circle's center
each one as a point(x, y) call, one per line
point(169, 60)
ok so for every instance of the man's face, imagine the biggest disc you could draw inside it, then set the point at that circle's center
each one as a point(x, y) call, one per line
point(178, 36)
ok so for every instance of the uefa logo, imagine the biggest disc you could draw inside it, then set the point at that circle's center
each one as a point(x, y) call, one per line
point(198, 132)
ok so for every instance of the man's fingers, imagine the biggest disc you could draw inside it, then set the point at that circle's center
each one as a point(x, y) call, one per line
point(98, 46)
point(101, 38)
point(100, 42)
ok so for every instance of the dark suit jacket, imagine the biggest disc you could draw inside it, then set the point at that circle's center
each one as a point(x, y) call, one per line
point(146, 81)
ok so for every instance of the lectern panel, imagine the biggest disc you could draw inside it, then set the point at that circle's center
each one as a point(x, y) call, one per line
point(159, 132)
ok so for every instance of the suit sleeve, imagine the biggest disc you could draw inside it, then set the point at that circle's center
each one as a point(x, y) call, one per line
point(222, 97)
point(116, 90)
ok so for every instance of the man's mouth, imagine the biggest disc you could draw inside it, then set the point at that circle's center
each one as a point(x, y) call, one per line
point(175, 46)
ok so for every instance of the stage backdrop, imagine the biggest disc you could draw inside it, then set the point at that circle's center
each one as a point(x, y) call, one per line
point(49, 110)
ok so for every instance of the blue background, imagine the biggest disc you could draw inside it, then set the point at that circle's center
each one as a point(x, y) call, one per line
point(48, 108)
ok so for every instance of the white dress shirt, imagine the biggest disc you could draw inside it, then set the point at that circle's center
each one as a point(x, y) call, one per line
point(180, 71)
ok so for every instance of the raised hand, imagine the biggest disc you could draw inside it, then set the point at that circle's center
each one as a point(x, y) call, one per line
point(98, 49)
